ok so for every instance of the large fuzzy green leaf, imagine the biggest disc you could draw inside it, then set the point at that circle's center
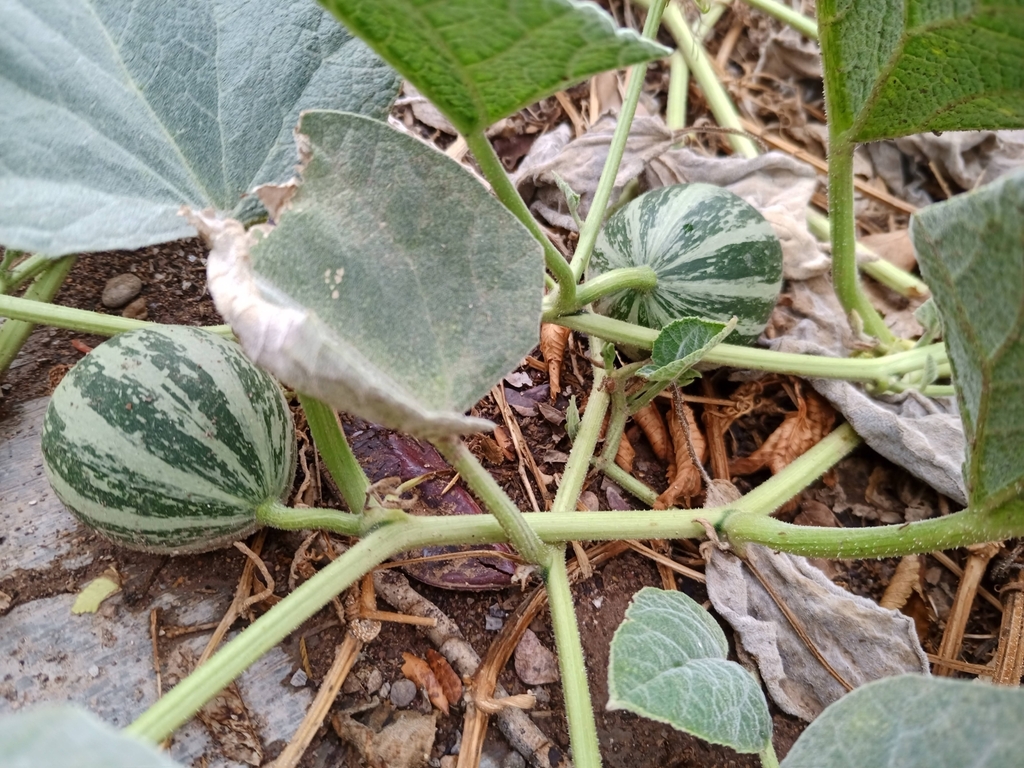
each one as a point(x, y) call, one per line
point(914, 721)
point(116, 113)
point(971, 251)
point(668, 663)
point(72, 738)
point(896, 67)
point(393, 286)
point(480, 60)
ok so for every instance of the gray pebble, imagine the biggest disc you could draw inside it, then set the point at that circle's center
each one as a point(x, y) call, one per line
point(403, 692)
point(120, 289)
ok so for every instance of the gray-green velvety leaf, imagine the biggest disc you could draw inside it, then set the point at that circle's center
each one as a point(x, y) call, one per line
point(971, 251)
point(914, 721)
point(896, 67)
point(393, 286)
point(479, 60)
point(116, 113)
point(668, 663)
point(69, 737)
point(681, 344)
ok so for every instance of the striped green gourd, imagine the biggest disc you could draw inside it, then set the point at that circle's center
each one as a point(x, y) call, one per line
point(715, 257)
point(168, 439)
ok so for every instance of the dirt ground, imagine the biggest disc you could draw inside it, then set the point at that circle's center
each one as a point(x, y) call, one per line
point(173, 280)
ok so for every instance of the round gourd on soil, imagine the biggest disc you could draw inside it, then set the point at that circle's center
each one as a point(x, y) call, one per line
point(715, 257)
point(168, 439)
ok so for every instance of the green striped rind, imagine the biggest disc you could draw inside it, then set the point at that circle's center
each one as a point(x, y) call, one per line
point(715, 256)
point(167, 439)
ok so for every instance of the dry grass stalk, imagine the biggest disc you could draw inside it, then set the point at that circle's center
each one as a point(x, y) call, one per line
point(1009, 661)
point(953, 636)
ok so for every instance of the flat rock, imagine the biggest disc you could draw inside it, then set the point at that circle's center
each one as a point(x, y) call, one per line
point(120, 290)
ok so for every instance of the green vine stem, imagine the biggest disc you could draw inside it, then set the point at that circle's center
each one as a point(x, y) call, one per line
point(83, 320)
point(605, 185)
point(579, 710)
point(274, 514)
point(876, 370)
point(625, 278)
point(805, 26)
point(888, 274)
point(957, 530)
point(497, 502)
point(844, 243)
point(24, 272)
point(768, 757)
point(412, 532)
point(335, 451)
point(15, 332)
point(506, 192)
point(679, 70)
point(624, 480)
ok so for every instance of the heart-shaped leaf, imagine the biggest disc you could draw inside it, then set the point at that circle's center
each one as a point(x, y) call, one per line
point(681, 344)
point(116, 113)
point(896, 67)
point(393, 286)
point(479, 61)
point(912, 721)
point(69, 737)
point(668, 663)
point(971, 256)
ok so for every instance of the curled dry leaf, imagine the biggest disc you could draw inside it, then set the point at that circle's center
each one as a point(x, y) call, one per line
point(684, 476)
point(801, 430)
point(649, 420)
point(451, 685)
point(625, 455)
point(553, 339)
point(417, 670)
point(905, 581)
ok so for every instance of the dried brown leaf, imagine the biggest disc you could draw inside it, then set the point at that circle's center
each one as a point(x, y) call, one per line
point(450, 683)
point(625, 455)
point(684, 475)
point(800, 430)
point(553, 339)
point(649, 420)
point(417, 670)
point(904, 581)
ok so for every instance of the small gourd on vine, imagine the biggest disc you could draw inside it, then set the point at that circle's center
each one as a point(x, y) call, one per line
point(715, 257)
point(167, 439)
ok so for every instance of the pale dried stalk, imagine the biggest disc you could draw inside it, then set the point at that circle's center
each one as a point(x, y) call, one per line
point(953, 636)
point(902, 584)
point(1009, 661)
point(344, 657)
point(522, 449)
point(242, 592)
point(950, 565)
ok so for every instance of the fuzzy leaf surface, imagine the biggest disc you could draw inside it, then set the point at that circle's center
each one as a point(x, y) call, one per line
point(681, 344)
point(479, 61)
point(971, 251)
point(117, 113)
point(915, 721)
point(896, 67)
point(70, 737)
point(393, 285)
point(668, 663)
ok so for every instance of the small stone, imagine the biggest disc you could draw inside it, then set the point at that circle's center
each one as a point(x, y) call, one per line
point(534, 663)
point(120, 289)
point(137, 310)
point(94, 671)
point(493, 623)
point(403, 693)
point(298, 679)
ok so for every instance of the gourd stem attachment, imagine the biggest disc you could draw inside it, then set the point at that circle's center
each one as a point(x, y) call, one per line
point(642, 278)
point(603, 193)
point(334, 449)
point(15, 332)
point(84, 320)
point(274, 514)
point(506, 192)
